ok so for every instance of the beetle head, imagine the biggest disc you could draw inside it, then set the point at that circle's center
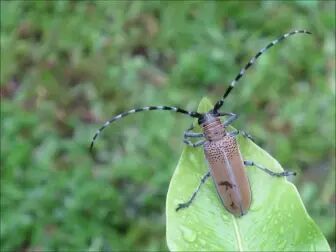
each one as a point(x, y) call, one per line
point(208, 117)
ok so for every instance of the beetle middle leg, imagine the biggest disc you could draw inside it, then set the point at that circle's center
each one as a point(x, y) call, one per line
point(243, 133)
point(188, 142)
point(190, 134)
point(188, 203)
point(231, 119)
point(268, 171)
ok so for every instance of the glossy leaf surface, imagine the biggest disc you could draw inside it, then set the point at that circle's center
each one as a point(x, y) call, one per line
point(276, 221)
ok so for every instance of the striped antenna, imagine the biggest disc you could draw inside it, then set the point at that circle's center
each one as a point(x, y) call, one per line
point(251, 62)
point(117, 117)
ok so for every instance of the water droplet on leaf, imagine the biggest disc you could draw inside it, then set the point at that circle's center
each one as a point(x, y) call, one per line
point(188, 234)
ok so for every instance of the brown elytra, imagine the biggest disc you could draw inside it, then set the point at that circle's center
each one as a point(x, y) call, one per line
point(227, 168)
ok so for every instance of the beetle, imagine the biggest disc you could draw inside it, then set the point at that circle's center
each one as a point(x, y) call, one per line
point(225, 162)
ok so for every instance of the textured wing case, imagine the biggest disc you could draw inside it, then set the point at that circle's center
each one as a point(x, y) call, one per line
point(228, 172)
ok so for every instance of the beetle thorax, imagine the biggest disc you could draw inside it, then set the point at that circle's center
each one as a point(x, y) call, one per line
point(213, 129)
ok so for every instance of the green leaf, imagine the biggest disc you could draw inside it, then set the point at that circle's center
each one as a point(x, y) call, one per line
point(276, 221)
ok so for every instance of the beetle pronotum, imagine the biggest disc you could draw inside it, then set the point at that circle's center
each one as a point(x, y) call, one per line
point(221, 150)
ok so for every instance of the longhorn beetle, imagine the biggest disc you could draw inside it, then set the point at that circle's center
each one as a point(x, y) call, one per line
point(221, 150)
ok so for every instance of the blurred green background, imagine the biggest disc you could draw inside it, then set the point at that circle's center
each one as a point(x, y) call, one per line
point(66, 67)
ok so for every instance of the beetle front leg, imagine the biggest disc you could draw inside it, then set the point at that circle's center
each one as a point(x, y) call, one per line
point(190, 134)
point(232, 117)
point(188, 203)
point(268, 171)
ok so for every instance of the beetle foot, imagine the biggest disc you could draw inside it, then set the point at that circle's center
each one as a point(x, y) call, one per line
point(182, 205)
point(288, 173)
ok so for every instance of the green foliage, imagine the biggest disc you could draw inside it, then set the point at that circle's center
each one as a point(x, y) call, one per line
point(67, 66)
point(277, 220)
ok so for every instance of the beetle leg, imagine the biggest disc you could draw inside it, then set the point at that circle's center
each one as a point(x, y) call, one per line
point(188, 203)
point(188, 142)
point(232, 117)
point(193, 134)
point(190, 133)
point(244, 134)
point(272, 173)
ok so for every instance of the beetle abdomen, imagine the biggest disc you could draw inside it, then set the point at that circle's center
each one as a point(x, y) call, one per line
point(228, 172)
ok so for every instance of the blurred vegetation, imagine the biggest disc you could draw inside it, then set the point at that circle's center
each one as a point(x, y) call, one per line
point(66, 67)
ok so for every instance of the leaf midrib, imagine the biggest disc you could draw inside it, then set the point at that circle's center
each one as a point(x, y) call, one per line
point(237, 233)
